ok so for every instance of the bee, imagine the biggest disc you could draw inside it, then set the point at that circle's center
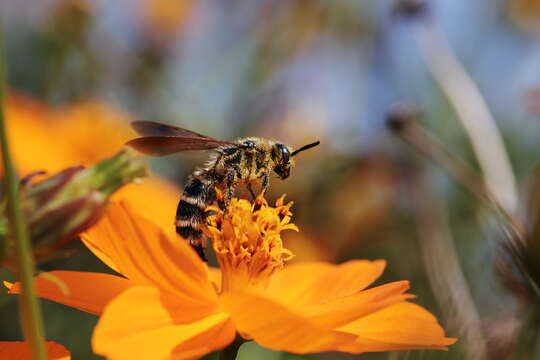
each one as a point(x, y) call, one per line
point(247, 161)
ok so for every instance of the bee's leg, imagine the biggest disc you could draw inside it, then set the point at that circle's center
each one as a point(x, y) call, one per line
point(259, 199)
point(221, 202)
point(265, 182)
point(228, 196)
point(229, 190)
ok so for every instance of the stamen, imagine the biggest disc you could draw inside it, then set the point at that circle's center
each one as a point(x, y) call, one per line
point(247, 242)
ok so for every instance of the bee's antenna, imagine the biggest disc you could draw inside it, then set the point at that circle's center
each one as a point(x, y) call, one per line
point(305, 147)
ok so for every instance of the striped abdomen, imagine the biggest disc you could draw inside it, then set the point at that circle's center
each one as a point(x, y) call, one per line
point(190, 213)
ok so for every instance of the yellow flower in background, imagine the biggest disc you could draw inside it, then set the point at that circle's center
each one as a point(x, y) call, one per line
point(85, 133)
point(20, 350)
point(91, 129)
point(525, 13)
point(50, 139)
point(170, 305)
point(164, 17)
point(33, 144)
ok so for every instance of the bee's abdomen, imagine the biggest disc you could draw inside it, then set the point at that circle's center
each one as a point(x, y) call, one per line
point(190, 213)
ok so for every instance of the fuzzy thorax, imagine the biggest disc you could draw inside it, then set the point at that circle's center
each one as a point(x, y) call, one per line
point(247, 242)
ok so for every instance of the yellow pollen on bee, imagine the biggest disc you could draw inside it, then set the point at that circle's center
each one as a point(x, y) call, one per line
point(247, 242)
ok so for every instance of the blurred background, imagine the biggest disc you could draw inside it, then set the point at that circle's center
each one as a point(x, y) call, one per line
point(393, 89)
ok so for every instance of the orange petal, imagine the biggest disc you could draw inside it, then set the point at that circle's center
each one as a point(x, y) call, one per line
point(344, 310)
point(346, 342)
point(214, 275)
point(273, 325)
point(101, 250)
point(313, 283)
point(397, 327)
point(220, 336)
point(86, 291)
point(153, 197)
point(20, 350)
point(143, 323)
point(149, 255)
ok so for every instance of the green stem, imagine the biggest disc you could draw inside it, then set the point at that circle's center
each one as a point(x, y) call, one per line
point(231, 351)
point(29, 307)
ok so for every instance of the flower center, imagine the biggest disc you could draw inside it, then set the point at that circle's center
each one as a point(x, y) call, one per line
point(247, 241)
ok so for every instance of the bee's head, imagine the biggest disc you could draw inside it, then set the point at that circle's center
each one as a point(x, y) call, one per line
point(281, 155)
point(283, 158)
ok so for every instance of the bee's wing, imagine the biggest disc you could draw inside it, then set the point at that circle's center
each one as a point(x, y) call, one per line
point(165, 145)
point(150, 128)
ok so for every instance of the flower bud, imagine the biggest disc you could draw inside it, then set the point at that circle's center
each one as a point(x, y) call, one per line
point(64, 204)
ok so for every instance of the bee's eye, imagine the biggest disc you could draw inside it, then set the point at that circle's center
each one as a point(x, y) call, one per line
point(281, 154)
point(285, 154)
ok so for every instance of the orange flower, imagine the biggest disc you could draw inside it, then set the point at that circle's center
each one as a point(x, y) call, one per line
point(525, 13)
point(81, 134)
point(170, 305)
point(20, 350)
point(164, 17)
point(43, 138)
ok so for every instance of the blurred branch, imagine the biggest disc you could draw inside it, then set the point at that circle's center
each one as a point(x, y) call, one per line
point(472, 110)
point(443, 269)
point(402, 120)
point(517, 261)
